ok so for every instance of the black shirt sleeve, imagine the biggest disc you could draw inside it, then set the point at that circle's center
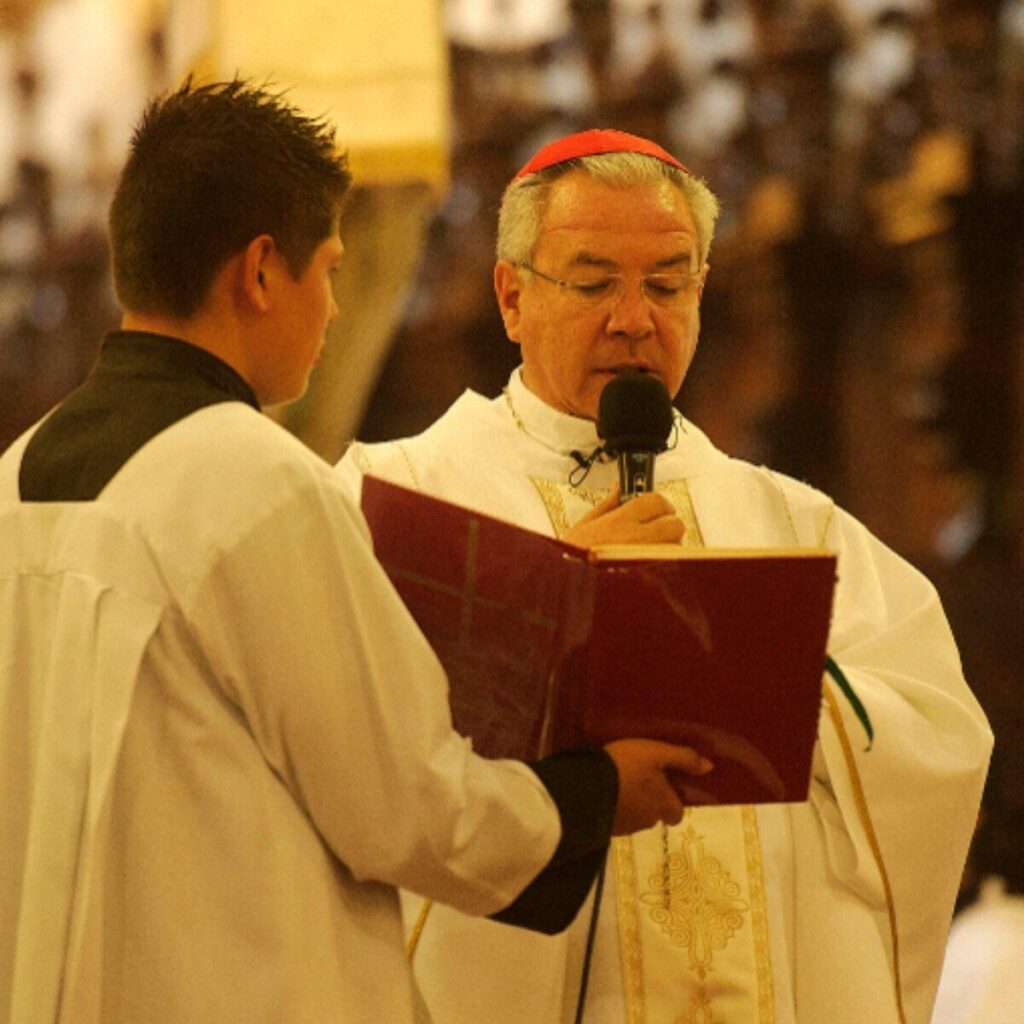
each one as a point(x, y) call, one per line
point(584, 783)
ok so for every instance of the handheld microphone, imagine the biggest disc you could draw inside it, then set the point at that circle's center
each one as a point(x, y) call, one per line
point(634, 419)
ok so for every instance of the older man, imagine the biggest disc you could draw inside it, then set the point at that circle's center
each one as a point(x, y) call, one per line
point(833, 911)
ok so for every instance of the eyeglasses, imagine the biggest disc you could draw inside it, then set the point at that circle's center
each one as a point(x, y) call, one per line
point(665, 290)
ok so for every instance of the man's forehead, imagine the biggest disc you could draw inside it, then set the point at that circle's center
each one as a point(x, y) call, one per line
point(649, 224)
point(580, 203)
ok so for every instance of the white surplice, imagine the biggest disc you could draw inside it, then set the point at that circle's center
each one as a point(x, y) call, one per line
point(833, 911)
point(235, 745)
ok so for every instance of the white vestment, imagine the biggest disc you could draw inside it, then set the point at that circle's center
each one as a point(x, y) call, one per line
point(833, 911)
point(235, 745)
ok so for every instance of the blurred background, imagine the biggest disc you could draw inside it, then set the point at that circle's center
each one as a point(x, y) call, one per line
point(863, 322)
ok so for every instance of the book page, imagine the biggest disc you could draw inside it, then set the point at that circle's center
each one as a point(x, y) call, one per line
point(653, 552)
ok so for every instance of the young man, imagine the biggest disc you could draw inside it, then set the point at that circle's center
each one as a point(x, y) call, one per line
point(225, 742)
point(829, 912)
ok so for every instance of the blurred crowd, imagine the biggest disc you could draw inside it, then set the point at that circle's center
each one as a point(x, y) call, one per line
point(73, 78)
point(863, 324)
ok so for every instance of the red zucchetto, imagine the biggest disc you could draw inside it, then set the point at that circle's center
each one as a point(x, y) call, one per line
point(590, 143)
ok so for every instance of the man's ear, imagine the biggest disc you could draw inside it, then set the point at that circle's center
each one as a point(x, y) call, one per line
point(508, 287)
point(703, 280)
point(257, 268)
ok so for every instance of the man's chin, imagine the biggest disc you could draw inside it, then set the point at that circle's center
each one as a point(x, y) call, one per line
point(285, 396)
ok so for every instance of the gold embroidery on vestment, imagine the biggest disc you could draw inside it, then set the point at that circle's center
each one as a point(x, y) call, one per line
point(409, 466)
point(629, 931)
point(417, 929)
point(694, 901)
point(872, 836)
point(700, 1011)
point(759, 917)
point(554, 494)
point(706, 908)
point(554, 503)
point(822, 536)
point(678, 493)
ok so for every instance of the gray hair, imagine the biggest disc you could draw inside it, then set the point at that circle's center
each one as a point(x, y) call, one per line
point(524, 201)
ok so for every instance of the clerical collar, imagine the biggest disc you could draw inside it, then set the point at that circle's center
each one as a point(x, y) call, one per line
point(141, 354)
point(141, 385)
point(554, 430)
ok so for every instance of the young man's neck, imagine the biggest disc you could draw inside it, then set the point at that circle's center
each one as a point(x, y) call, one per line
point(199, 331)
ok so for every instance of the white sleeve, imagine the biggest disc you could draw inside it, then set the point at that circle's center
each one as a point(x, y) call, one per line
point(348, 705)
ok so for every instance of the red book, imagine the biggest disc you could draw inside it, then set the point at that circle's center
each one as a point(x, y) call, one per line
point(547, 645)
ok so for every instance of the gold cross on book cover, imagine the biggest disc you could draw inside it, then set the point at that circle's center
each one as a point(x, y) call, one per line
point(547, 645)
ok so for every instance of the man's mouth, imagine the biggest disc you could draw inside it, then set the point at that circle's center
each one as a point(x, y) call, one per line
point(626, 368)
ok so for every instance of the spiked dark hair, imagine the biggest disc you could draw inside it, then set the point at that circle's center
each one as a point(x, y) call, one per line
point(210, 168)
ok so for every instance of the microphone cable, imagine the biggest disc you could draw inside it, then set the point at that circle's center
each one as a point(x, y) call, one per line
point(591, 939)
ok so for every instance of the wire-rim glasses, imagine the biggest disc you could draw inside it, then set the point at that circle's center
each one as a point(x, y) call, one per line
point(665, 290)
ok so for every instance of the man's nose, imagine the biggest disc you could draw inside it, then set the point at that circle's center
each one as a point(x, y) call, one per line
point(630, 311)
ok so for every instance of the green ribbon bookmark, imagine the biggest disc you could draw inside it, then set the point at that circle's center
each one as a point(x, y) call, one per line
point(858, 708)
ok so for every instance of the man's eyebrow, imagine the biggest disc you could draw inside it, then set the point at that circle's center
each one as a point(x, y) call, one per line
point(686, 256)
point(588, 259)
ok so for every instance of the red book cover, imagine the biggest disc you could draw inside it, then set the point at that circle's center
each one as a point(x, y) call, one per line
point(547, 645)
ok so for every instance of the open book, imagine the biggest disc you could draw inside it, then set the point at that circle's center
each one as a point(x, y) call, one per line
point(547, 645)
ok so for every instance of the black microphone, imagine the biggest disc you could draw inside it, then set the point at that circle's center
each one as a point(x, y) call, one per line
point(634, 419)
